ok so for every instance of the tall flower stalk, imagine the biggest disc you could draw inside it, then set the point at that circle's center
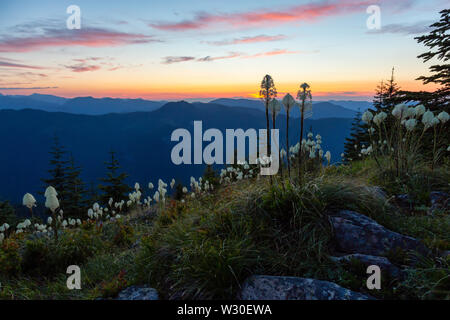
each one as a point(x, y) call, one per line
point(288, 102)
point(275, 108)
point(267, 93)
point(304, 95)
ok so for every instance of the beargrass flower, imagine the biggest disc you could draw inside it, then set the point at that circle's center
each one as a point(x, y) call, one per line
point(410, 124)
point(52, 202)
point(443, 117)
point(328, 156)
point(400, 111)
point(419, 110)
point(367, 116)
point(172, 183)
point(428, 119)
point(150, 186)
point(50, 191)
point(29, 201)
point(379, 118)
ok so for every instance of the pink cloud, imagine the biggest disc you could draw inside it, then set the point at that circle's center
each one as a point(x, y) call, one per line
point(245, 40)
point(83, 67)
point(300, 13)
point(86, 37)
point(7, 64)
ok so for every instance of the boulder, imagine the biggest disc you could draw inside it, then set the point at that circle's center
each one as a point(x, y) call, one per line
point(368, 260)
point(293, 288)
point(138, 293)
point(439, 201)
point(357, 233)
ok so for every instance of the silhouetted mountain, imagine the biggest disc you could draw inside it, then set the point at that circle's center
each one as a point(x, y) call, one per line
point(353, 105)
point(141, 139)
point(320, 109)
point(82, 105)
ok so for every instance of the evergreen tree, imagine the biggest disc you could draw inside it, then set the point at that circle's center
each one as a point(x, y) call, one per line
point(438, 41)
point(178, 194)
point(211, 175)
point(358, 136)
point(7, 214)
point(114, 185)
point(58, 176)
point(75, 202)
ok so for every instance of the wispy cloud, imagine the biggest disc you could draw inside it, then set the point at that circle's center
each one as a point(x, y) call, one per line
point(301, 13)
point(176, 59)
point(7, 64)
point(245, 40)
point(405, 29)
point(28, 88)
point(82, 67)
point(60, 37)
point(231, 55)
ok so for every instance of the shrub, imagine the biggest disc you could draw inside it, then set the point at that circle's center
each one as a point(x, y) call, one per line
point(9, 257)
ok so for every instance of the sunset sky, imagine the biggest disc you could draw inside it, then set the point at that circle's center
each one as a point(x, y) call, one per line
point(177, 49)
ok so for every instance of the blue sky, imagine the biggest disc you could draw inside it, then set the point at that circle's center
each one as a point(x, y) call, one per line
point(174, 49)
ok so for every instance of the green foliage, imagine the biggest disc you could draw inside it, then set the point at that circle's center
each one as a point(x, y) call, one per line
point(75, 203)
point(7, 214)
point(9, 257)
point(113, 185)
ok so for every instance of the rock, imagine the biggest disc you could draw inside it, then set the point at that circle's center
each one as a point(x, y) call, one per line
point(439, 201)
point(377, 191)
point(138, 293)
point(356, 233)
point(292, 288)
point(368, 260)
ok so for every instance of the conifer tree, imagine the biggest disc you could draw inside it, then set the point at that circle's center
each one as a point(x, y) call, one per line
point(113, 185)
point(57, 171)
point(211, 175)
point(7, 214)
point(75, 202)
point(358, 137)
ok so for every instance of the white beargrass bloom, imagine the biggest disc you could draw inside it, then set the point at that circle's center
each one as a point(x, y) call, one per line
point(49, 220)
point(410, 113)
point(328, 156)
point(448, 149)
point(312, 154)
point(156, 196)
point(150, 186)
point(52, 202)
point(50, 191)
point(379, 118)
point(400, 111)
point(185, 190)
point(342, 155)
point(371, 130)
point(192, 195)
point(367, 116)
point(137, 186)
point(419, 110)
point(172, 183)
point(428, 119)
point(29, 201)
point(110, 202)
point(410, 124)
point(91, 213)
point(443, 117)
point(64, 224)
point(96, 206)
point(79, 222)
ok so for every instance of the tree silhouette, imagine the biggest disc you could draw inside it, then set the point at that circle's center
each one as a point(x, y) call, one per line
point(267, 93)
point(304, 95)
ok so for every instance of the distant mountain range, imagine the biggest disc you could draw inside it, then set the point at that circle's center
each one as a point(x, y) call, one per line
point(102, 106)
point(141, 139)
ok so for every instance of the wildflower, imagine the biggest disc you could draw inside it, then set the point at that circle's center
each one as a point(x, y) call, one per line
point(150, 186)
point(342, 155)
point(443, 116)
point(410, 113)
point(137, 186)
point(312, 154)
point(192, 195)
point(29, 201)
point(79, 222)
point(400, 111)
point(49, 220)
point(410, 124)
point(185, 190)
point(64, 224)
point(52, 202)
point(172, 183)
point(90, 214)
point(110, 202)
point(156, 196)
point(328, 156)
point(379, 118)
point(50, 191)
point(118, 216)
point(428, 119)
point(310, 135)
point(367, 116)
point(96, 206)
point(371, 130)
point(419, 110)
point(448, 149)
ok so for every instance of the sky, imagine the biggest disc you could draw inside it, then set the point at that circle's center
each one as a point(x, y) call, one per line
point(201, 49)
